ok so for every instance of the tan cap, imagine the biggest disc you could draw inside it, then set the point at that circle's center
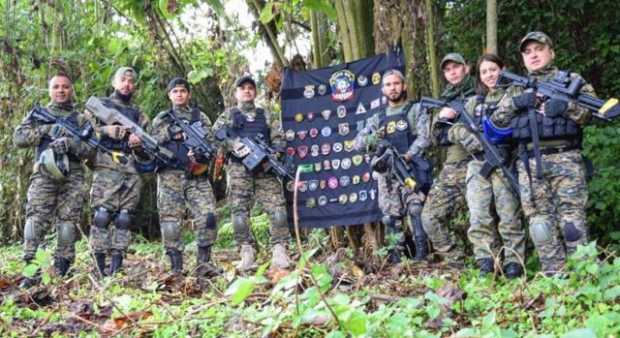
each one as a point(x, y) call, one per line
point(536, 36)
point(452, 57)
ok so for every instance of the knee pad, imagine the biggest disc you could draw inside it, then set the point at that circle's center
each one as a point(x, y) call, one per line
point(211, 221)
point(571, 233)
point(123, 220)
point(66, 233)
point(540, 233)
point(279, 218)
point(102, 217)
point(30, 231)
point(170, 230)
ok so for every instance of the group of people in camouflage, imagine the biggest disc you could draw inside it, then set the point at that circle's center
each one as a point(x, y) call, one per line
point(552, 188)
point(551, 191)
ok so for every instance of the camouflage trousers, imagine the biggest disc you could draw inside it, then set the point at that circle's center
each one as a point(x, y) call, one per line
point(175, 194)
point(397, 202)
point(555, 204)
point(54, 202)
point(244, 188)
point(115, 191)
point(444, 198)
point(485, 195)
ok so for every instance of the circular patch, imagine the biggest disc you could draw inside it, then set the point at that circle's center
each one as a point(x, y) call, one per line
point(301, 134)
point(303, 186)
point(402, 125)
point(376, 78)
point(366, 177)
point(344, 181)
point(363, 195)
point(345, 163)
point(326, 131)
point(327, 165)
point(290, 186)
point(290, 151)
point(352, 197)
point(337, 147)
point(332, 182)
point(362, 81)
point(311, 202)
point(342, 199)
point(322, 184)
point(356, 179)
point(310, 116)
point(299, 117)
point(322, 200)
point(322, 89)
point(314, 132)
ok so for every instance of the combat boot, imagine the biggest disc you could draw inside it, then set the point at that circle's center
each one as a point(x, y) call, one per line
point(280, 259)
point(116, 262)
point(61, 265)
point(513, 270)
point(205, 267)
point(421, 248)
point(486, 265)
point(176, 260)
point(29, 282)
point(100, 261)
point(247, 258)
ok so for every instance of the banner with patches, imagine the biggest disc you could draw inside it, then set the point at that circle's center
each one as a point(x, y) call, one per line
point(322, 111)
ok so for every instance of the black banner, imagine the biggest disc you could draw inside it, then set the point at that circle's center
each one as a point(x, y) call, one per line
point(322, 111)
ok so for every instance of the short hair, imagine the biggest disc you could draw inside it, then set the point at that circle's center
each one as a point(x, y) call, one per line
point(122, 71)
point(393, 71)
point(178, 81)
point(59, 74)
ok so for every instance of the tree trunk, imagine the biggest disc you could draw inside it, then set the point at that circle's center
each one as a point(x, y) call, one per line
point(432, 48)
point(318, 24)
point(491, 26)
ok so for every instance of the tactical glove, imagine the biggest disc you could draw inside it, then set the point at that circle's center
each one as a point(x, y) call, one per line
point(62, 145)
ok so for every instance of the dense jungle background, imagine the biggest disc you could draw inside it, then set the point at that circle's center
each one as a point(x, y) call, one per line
point(211, 44)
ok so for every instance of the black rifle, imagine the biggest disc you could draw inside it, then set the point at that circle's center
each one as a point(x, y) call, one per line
point(85, 134)
point(257, 152)
point(492, 157)
point(195, 137)
point(564, 88)
point(414, 178)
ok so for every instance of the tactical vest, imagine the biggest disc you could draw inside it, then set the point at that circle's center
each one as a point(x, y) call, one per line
point(397, 130)
point(46, 139)
point(178, 147)
point(252, 128)
point(129, 112)
point(556, 128)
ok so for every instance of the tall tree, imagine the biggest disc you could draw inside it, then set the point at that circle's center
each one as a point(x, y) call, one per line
point(491, 26)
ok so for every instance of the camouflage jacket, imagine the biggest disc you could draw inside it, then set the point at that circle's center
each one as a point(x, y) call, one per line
point(419, 126)
point(31, 132)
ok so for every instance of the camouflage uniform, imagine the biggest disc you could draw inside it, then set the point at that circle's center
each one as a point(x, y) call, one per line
point(487, 194)
point(448, 190)
point(178, 189)
point(554, 202)
point(409, 132)
point(244, 186)
point(50, 200)
point(115, 191)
